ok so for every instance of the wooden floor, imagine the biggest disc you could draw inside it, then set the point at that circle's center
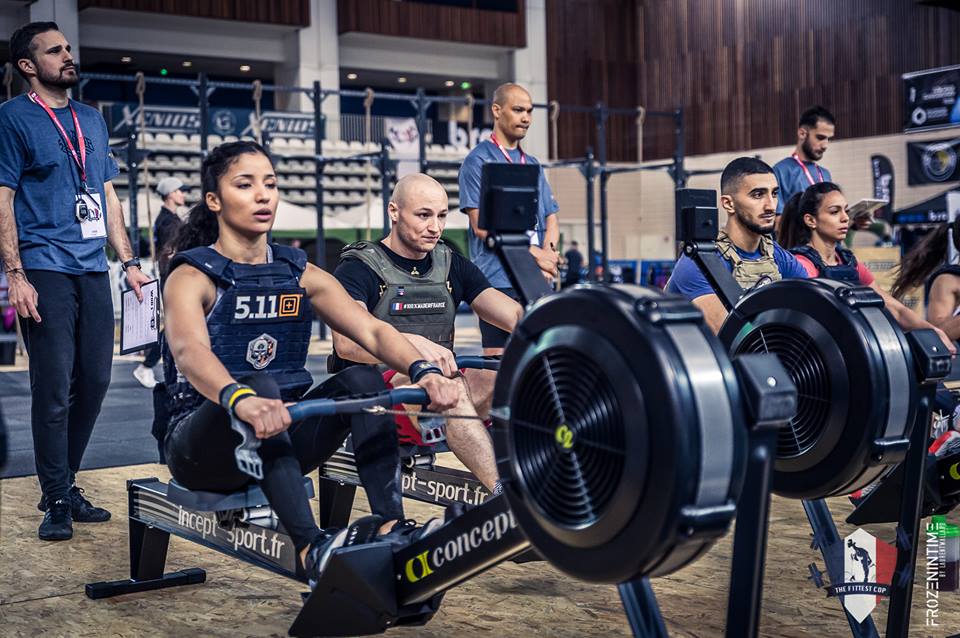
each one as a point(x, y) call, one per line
point(41, 585)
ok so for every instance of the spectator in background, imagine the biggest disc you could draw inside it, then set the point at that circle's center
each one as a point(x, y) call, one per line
point(165, 230)
point(574, 265)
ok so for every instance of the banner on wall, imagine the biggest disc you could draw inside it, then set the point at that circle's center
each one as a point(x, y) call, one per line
point(882, 184)
point(933, 162)
point(932, 99)
point(220, 121)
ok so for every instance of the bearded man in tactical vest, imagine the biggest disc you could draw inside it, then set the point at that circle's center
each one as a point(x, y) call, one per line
point(748, 195)
point(412, 280)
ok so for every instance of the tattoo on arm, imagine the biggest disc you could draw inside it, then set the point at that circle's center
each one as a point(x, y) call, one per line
point(9, 240)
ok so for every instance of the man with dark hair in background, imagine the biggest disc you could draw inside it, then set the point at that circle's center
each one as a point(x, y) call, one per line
point(57, 210)
point(748, 194)
point(795, 173)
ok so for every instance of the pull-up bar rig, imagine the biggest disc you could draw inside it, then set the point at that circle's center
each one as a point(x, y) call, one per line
point(591, 167)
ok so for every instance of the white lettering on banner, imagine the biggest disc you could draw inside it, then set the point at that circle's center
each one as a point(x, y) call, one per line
point(459, 136)
point(280, 124)
point(154, 118)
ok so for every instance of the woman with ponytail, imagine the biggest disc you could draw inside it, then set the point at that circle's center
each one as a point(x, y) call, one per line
point(928, 264)
point(814, 225)
point(239, 312)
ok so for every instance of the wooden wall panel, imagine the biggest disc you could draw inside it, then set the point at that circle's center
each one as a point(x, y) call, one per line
point(434, 22)
point(288, 12)
point(592, 56)
point(741, 69)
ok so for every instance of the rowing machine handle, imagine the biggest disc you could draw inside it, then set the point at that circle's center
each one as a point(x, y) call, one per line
point(477, 362)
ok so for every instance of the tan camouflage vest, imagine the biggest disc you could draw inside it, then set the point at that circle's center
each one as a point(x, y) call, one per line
point(753, 272)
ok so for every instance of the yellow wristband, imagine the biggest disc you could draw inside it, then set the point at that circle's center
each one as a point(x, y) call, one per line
point(239, 392)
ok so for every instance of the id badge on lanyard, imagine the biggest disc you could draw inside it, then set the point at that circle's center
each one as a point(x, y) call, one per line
point(806, 171)
point(88, 205)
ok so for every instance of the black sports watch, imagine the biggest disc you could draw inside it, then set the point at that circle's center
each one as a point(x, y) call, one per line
point(131, 262)
point(418, 369)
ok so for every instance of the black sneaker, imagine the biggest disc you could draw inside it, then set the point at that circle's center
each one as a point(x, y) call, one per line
point(57, 524)
point(361, 531)
point(406, 531)
point(83, 511)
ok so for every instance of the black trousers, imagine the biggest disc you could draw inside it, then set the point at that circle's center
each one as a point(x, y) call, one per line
point(71, 352)
point(200, 452)
point(152, 354)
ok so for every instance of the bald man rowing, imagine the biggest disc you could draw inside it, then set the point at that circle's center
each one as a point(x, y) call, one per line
point(414, 281)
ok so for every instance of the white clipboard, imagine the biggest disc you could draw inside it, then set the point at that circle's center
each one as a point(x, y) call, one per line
point(140, 321)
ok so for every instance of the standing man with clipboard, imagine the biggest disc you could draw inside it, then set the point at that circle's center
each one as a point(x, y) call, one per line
point(795, 173)
point(58, 209)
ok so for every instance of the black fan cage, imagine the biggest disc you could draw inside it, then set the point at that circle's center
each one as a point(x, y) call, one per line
point(568, 434)
point(800, 356)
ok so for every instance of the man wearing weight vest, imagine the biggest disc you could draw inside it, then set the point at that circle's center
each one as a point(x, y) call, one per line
point(414, 281)
point(748, 194)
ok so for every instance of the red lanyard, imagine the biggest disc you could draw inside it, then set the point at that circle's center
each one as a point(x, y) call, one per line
point(806, 171)
point(79, 158)
point(523, 156)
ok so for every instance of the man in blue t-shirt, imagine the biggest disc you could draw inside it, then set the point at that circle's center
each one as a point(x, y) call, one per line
point(512, 110)
point(57, 210)
point(748, 194)
point(795, 173)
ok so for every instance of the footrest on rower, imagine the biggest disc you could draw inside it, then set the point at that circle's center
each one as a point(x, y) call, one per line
point(200, 501)
point(356, 596)
point(107, 589)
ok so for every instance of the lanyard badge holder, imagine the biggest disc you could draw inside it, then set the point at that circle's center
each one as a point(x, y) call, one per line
point(89, 207)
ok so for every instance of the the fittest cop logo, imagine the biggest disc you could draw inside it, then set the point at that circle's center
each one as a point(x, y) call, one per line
point(868, 565)
point(261, 351)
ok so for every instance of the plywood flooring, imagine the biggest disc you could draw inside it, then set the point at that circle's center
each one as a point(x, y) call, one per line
point(41, 585)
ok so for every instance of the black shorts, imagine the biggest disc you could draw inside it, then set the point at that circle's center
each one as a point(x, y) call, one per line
point(492, 336)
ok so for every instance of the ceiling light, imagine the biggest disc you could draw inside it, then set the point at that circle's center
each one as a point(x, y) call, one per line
point(244, 68)
point(351, 76)
point(448, 83)
point(187, 64)
point(126, 59)
point(402, 80)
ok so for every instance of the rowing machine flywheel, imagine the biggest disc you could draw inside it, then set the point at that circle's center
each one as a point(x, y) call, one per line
point(619, 432)
point(854, 375)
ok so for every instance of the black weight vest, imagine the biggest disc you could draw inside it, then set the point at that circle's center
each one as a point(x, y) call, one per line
point(846, 270)
point(261, 322)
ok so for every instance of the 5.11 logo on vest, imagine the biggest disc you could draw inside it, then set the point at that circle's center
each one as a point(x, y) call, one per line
point(257, 308)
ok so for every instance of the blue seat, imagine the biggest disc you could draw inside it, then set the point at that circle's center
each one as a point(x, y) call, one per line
point(251, 496)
